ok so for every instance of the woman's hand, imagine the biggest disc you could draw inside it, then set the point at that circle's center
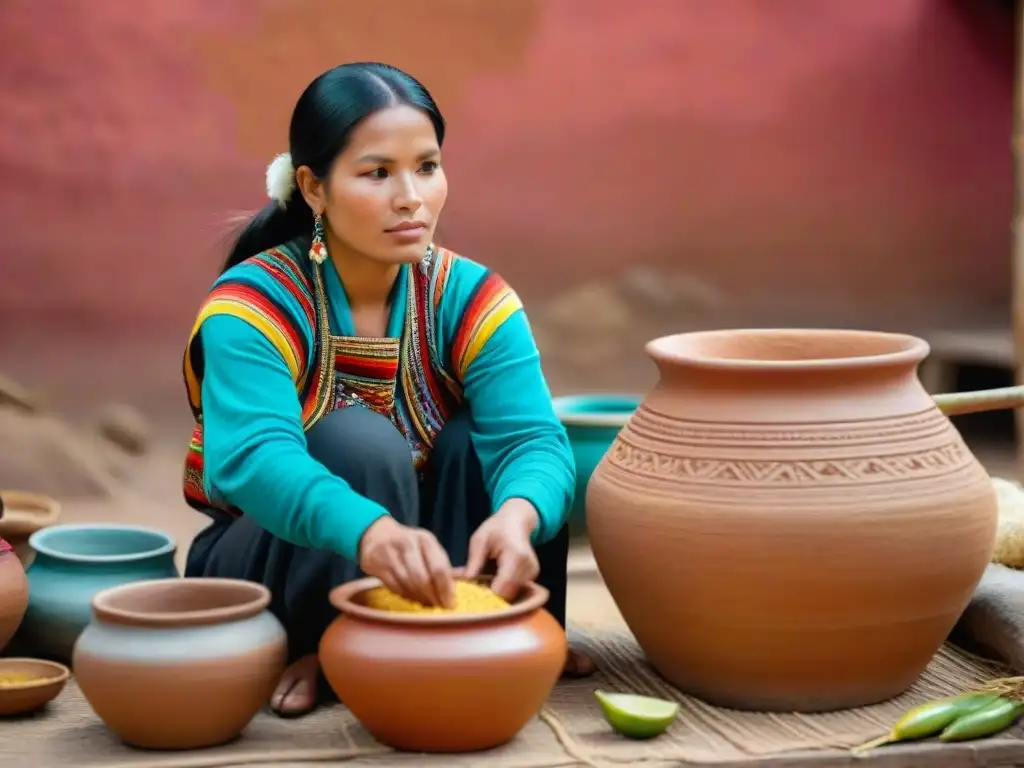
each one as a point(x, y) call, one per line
point(410, 561)
point(505, 538)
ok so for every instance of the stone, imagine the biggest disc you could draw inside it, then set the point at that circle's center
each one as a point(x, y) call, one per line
point(594, 307)
point(42, 454)
point(14, 394)
point(126, 428)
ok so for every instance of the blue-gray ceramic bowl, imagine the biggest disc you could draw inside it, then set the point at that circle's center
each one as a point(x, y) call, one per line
point(592, 423)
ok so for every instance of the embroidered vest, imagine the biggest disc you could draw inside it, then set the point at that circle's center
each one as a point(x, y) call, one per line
point(341, 371)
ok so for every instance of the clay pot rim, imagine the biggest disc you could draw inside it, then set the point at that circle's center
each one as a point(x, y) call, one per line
point(38, 542)
point(673, 349)
point(61, 673)
point(342, 597)
point(576, 410)
point(104, 607)
point(25, 512)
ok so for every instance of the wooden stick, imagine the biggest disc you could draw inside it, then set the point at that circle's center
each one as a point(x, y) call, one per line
point(1017, 225)
point(960, 403)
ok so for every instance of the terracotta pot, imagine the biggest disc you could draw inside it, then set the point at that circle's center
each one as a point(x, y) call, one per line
point(24, 514)
point(180, 663)
point(442, 682)
point(788, 522)
point(13, 593)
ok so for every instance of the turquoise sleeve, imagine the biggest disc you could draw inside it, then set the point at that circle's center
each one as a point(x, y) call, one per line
point(254, 448)
point(522, 446)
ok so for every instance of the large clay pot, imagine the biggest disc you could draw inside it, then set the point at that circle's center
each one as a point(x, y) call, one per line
point(13, 593)
point(72, 564)
point(426, 682)
point(788, 522)
point(180, 663)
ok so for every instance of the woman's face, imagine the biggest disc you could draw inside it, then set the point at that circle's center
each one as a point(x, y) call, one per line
point(386, 190)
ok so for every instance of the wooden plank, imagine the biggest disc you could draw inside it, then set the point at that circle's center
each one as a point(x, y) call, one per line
point(1017, 271)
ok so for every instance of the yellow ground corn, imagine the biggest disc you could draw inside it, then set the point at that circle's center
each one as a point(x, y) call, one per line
point(15, 679)
point(469, 598)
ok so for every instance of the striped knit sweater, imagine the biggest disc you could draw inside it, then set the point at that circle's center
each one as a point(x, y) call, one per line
point(273, 349)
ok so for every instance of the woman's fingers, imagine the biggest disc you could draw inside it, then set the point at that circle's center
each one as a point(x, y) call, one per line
point(515, 568)
point(399, 567)
point(439, 570)
point(419, 578)
point(392, 580)
point(424, 569)
point(479, 549)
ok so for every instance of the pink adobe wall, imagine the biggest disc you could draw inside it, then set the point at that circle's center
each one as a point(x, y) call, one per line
point(805, 158)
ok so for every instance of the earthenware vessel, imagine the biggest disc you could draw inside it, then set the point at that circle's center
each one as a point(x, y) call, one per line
point(591, 422)
point(426, 682)
point(45, 681)
point(13, 593)
point(788, 522)
point(24, 514)
point(72, 564)
point(180, 663)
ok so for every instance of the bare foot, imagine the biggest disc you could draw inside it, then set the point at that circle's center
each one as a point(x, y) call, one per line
point(578, 664)
point(296, 692)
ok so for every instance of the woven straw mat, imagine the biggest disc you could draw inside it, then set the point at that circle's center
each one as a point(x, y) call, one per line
point(569, 732)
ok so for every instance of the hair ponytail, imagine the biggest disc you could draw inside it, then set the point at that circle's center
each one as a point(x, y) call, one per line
point(270, 227)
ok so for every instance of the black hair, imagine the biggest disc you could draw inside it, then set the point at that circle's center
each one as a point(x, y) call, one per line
point(323, 120)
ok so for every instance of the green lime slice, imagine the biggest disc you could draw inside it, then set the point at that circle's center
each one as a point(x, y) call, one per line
point(637, 717)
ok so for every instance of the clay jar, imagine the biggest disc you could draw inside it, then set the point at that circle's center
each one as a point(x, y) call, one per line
point(788, 522)
point(426, 682)
point(13, 593)
point(75, 562)
point(180, 663)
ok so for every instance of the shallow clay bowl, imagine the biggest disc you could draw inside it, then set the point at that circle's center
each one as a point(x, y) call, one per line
point(442, 682)
point(48, 679)
point(24, 514)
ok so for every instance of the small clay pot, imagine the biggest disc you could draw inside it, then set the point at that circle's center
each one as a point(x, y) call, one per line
point(180, 663)
point(23, 514)
point(425, 682)
point(13, 593)
point(75, 562)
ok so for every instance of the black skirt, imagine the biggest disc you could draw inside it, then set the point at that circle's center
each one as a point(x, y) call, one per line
point(365, 449)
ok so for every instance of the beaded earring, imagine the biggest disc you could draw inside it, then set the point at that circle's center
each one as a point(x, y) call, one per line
point(318, 248)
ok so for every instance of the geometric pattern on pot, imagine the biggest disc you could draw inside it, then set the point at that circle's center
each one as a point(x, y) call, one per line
point(687, 451)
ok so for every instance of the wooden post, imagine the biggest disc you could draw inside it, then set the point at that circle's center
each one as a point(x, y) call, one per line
point(1017, 269)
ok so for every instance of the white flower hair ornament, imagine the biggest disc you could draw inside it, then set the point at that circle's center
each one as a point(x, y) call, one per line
point(281, 179)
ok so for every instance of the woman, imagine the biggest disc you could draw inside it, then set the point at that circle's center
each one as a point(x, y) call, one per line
point(365, 401)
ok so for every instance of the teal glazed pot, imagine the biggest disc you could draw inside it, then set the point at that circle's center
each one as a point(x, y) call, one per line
point(72, 564)
point(592, 423)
